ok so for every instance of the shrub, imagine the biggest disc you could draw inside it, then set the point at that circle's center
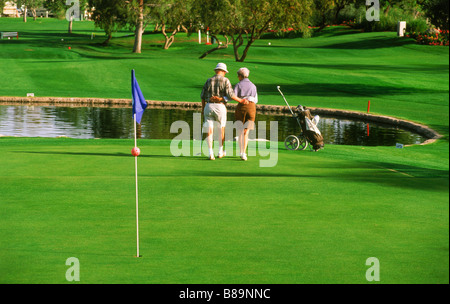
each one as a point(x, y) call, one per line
point(288, 33)
point(431, 37)
point(417, 25)
point(389, 23)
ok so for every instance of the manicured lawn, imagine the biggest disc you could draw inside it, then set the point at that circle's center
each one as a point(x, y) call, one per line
point(340, 68)
point(314, 218)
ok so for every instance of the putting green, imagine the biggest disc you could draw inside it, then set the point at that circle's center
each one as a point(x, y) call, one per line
point(314, 218)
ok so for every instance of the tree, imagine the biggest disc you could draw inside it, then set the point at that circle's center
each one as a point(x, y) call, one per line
point(438, 12)
point(326, 12)
point(33, 5)
point(245, 21)
point(139, 17)
point(139, 29)
point(323, 10)
point(57, 7)
point(109, 15)
point(172, 16)
point(339, 6)
point(2, 6)
point(408, 6)
point(60, 7)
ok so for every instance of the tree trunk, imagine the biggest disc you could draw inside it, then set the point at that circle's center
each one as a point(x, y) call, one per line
point(34, 14)
point(106, 42)
point(323, 24)
point(25, 12)
point(218, 47)
point(237, 43)
point(168, 40)
point(139, 29)
point(244, 53)
point(338, 11)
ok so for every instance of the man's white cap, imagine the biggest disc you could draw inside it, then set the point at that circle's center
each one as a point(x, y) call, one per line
point(221, 66)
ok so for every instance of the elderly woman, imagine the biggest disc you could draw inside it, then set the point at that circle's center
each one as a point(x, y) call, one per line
point(246, 113)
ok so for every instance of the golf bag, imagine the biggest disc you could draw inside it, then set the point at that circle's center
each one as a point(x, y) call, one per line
point(309, 126)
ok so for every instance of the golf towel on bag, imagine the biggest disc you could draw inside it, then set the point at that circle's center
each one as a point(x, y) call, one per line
point(311, 131)
point(312, 126)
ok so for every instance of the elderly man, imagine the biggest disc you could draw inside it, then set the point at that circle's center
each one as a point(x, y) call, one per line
point(215, 88)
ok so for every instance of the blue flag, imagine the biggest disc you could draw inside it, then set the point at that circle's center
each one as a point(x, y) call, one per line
point(139, 103)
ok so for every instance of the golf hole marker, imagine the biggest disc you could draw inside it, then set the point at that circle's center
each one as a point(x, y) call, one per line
point(139, 106)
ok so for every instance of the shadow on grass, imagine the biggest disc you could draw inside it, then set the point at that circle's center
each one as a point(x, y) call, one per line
point(432, 68)
point(335, 32)
point(254, 174)
point(369, 43)
point(81, 44)
point(94, 154)
point(379, 42)
point(373, 172)
point(394, 175)
point(378, 173)
point(68, 253)
point(325, 33)
point(342, 90)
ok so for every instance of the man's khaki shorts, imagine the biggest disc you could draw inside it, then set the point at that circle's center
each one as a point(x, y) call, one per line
point(215, 112)
point(246, 114)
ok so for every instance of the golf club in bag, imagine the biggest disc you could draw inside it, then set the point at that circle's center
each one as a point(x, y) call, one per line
point(309, 135)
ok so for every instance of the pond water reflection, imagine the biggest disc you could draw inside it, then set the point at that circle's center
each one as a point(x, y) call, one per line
point(85, 122)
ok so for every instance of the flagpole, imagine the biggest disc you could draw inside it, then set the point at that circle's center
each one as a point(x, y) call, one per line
point(139, 105)
point(137, 195)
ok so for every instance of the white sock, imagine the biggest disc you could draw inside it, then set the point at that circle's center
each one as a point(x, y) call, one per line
point(211, 152)
point(221, 150)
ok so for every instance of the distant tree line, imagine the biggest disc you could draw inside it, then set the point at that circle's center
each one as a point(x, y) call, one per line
point(236, 23)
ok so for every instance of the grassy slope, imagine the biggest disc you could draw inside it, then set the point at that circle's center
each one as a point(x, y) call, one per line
point(339, 69)
point(313, 218)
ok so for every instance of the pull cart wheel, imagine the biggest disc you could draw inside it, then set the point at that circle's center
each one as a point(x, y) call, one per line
point(303, 143)
point(292, 143)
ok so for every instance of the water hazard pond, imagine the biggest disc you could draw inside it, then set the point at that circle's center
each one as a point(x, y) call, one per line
point(86, 122)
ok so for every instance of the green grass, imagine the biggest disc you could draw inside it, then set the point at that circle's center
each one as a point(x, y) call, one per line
point(314, 218)
point(340, 68)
